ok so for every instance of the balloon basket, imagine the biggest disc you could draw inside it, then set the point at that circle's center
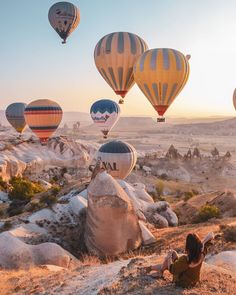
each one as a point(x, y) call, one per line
point(161, 119)
point(121, 101)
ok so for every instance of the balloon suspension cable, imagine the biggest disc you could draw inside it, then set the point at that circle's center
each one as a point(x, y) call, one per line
point(161, 119)
point(121, 101)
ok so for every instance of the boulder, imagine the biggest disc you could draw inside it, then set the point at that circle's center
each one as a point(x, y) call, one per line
point(15, 254)
point(111, 225)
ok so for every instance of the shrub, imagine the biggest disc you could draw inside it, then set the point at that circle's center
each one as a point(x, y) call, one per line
point(1, 213)
point(55, 190)
point(188, 195)
point(3, 184)
point(16, 207)
point(34, 206)
point(23, 189)
point(229, 233)
point(6, 226)
point(207, 212)
point(48, 199)
point(159, 187)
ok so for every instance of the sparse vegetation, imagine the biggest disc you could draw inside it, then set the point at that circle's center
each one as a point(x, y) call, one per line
point(35, 206)
point(229, 233)
point(49, 200)
point(188, 195)
point(6, 226)
point(23, 189)
point(159, 187)
point(207, 212)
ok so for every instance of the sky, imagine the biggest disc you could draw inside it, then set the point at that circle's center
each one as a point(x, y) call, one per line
point(34, 64)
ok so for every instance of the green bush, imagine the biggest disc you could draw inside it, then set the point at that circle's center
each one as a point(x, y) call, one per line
point(23, 189)
point(207, 212)
point(3, 184)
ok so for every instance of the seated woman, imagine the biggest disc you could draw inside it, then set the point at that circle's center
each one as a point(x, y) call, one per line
point(186, 268)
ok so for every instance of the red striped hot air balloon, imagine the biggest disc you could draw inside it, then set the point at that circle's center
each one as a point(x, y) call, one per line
point(115, 55)
point(43, 117)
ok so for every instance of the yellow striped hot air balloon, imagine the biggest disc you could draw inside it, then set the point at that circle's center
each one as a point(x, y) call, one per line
point(115, 55)
point(161, 74)
point(43, 117)
point(64, 17)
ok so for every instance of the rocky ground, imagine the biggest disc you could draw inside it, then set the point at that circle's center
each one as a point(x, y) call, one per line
point(126, 275)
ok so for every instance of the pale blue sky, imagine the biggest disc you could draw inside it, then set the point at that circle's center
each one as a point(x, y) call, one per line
point(34, 63)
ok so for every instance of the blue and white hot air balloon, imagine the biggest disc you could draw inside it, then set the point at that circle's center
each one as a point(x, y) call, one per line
point(105, 113)
point(118, 158)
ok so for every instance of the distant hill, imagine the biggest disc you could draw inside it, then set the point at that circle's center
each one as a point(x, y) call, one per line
point(225, 127)
point(135, 124)
point(68, 117)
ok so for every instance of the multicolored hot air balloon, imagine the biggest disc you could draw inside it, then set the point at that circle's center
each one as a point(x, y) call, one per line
point(234, 98)
point(118, 157)
point(161, 75)
point(105, 113)
point(115, 55)
point(15, 116)
point(64, 17)
point(43, 117)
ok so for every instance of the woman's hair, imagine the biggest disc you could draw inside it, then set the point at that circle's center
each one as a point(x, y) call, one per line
point(193, 247)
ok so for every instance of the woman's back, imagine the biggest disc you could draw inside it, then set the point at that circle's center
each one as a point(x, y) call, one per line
point(185, 274)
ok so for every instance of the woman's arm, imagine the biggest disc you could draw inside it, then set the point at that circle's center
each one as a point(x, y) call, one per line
point(206, 242)
point(210, 236)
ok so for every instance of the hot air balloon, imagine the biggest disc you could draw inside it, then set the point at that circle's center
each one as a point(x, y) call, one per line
point(234, 98)
point(118, 157)
point(64, 17)
point(43, 117)
point(15, 116)
point(105, 113)
point(115, 55)
point(161, 74)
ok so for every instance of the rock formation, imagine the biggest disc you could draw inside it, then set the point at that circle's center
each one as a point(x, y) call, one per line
point(15, 254)
point(173, 153)
point(32, 158)
point(111, 226)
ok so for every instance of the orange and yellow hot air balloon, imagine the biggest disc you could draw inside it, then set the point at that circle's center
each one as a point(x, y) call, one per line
point(161, 74)
point(115, 55)
point(43, 117)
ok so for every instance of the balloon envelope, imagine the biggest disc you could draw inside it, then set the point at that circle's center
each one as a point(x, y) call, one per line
point(15, 116)
point(43, 117)
point(105, 113)
point(115, 55)
point(118, 157)
point(161, 74)
point(234, 99)
point(64, 17)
